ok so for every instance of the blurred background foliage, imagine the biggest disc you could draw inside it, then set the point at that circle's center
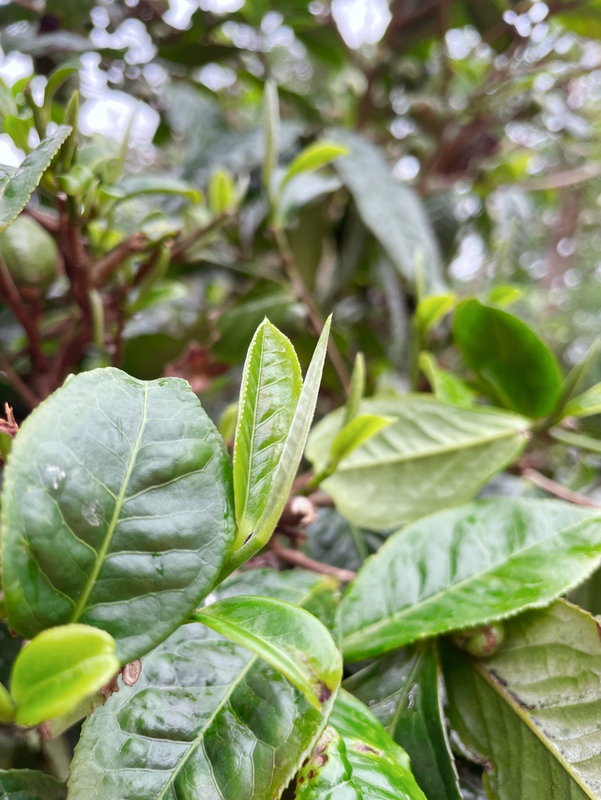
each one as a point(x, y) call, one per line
point(474, 169)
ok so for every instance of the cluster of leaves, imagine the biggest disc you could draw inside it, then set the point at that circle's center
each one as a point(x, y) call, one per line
point(426, 644)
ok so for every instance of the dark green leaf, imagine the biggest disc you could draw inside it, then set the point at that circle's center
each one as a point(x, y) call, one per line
point(434, 456)
point(530, 712)
point(390, 209)
point(468, 566)
point(58, 669)
point(17, 185)
point(206, 719)
point(287, 637)
point(404, 691)
point(27, 784)
point(517, 368)
point(129, 510)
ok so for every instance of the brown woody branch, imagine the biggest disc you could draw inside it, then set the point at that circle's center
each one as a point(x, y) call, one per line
point(104, 268)
point(13, 300)
point(18, 384)
point(298, 559)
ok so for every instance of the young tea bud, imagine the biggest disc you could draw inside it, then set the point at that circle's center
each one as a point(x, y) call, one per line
point(482, 641)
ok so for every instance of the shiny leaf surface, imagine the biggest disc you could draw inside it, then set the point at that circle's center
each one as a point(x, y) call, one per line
point(28, 784)
point(531, 711)
point(586, 404)
point(468, 566)
point(290, 456)
point(271, 386)
point(207, 718)
point(58, 669)
point(379, 768)
point(314, 157)
point(16, 185)
point(404, 691)
point(434, 456)
point(128, 512)
point(289, 638)
point(517, 367)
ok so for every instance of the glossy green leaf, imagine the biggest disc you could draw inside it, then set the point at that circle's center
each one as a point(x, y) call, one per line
point(391, 210)
point(576, 440)
point(7, 707)
point(28, 784)
point(17, 185)
point(314, 157)
point(361, 760)
point(404, 691)
point(433, 309)
point(222, 192)
point(269, 395)
point(585, 405)
point(58, 669)
point(356, 433)
point(356, 390)
point(446, 387)
point(468, 566)
point(287, 637)
point(207, 718)
point(128, 513)
point(504, 295)
point(291, 454)
point(434, 456)
point(515, 366)
point(530, 713)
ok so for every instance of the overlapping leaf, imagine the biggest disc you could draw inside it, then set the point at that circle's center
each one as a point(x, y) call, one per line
point(356, 759)
point(28, 784)
point(117, 510)
point(17, 185)
point(531, 712)
point(517, 367)
point(434, 456)
point(207, 717)
point(467, 566)
point(404, 691)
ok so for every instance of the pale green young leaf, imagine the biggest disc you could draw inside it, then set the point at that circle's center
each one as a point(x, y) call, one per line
point(446, 387)
point(530, 712)
point(289, 638)
point(356, 390)
point(269, 395)
point(58, 669)
point(222, 192)
point(580, 440)
point(7, 707)
point(468, 566)
point(314, 157)
point(291, 455)
point(17, 185)
point(573, 381)
point(354, 434)
point(432, 309)
point(585, 405)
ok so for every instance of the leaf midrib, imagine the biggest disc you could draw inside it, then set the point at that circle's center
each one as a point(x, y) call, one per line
point(199, 739)
point(358, 634)
point(416, 455)
point(521, 713)
point(102, 553)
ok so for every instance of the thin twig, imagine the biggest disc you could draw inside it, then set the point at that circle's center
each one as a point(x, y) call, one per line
point(50, 223)
point(17, 383)
point(299, 559)
point(304, 295)
point(13, 300)
point(105, 267)
point(180, 247)
point(557, 489)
